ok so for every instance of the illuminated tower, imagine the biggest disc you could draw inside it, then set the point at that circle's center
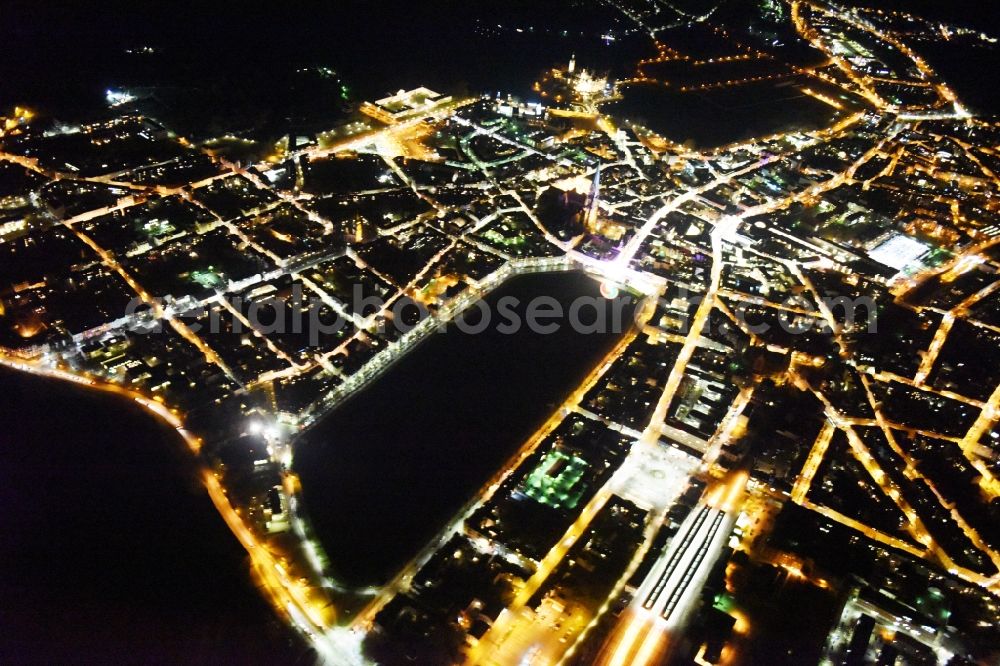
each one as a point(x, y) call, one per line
point(593, 201)
point(572, 65)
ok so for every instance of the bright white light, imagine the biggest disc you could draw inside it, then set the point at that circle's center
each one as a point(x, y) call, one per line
point(118, 97)
point(898, 252)
point(727, 229)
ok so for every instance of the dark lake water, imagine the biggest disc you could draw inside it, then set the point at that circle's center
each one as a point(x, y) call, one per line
point(718, 117)
point(385, 471)
point(110, 550)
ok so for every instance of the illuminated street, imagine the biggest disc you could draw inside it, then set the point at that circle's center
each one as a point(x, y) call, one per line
point(748, 410)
